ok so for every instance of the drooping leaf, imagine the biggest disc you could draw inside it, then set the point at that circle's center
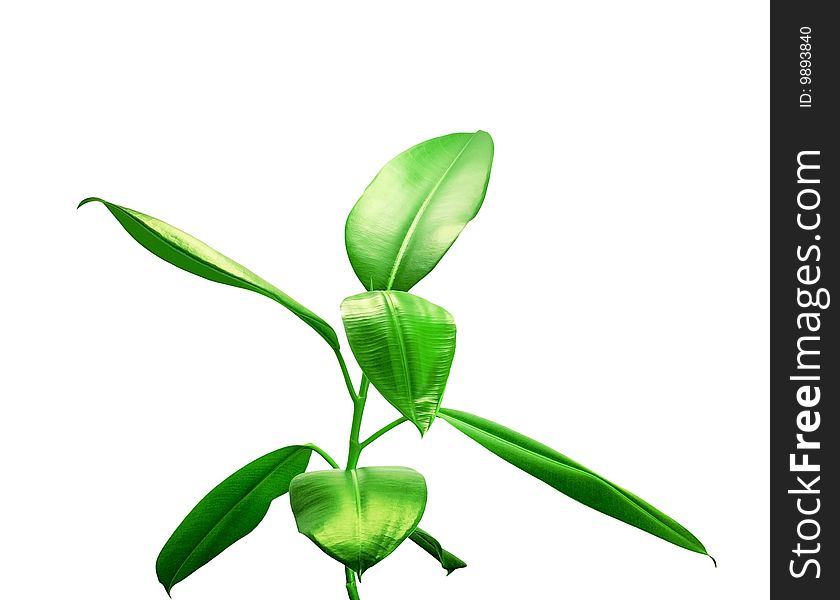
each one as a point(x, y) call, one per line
point(190, 254)
point(447, 560)
point(571, 478)
point(228, 513)
point(415, 208)
point(405, 345)
point(358, 517)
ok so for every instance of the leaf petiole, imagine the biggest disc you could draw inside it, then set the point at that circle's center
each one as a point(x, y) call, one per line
point(347, 381)
point(383, 431)
point(323, 454)
point(350, 577)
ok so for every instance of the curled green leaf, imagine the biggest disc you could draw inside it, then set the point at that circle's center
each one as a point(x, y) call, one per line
point(194, 256)
point(228, 513)
point(405, 345)
point(571, 478)
point(415, 208)
point(447, 560)
point(358, 516)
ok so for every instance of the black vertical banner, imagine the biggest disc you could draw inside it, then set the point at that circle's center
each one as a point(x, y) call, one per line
point(804, 367)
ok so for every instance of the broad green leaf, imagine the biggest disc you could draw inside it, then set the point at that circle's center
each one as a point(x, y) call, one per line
point(358, 517)
point(571, 478)
point(405, 345)
point(447, 560)
point(228, 513)
point(190, 254)
point(415, 208)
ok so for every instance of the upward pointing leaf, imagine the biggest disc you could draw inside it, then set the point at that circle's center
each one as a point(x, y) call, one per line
point(571, 478)
point(190, 254)
point(228, 513)
point(405, 345)
point(415, 208)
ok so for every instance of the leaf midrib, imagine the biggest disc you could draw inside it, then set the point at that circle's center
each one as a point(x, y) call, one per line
point(392, 316)
point(357, 498)
point(416, 220)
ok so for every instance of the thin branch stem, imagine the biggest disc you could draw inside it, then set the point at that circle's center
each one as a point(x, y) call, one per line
point(324, 455)
point(350, 577)
point(347, 381)
point(383, 431)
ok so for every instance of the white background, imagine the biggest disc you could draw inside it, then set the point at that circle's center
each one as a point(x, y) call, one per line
point(611, 296)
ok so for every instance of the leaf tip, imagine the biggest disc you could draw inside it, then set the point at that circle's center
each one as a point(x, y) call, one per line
point(484, 134)
point(455, 564)
point(423, 428)
point(713, 560)
point(87, 200)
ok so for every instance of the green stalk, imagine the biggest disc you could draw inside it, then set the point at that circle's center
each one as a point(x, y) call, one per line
point(355, 448)
point(352, 592)
point(353, 452)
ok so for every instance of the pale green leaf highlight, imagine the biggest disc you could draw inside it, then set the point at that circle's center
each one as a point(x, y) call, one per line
point(405, 346)
point(228, 513)
point(194, 256)
point(415, 208)
point(358, 516)
point(571, 478)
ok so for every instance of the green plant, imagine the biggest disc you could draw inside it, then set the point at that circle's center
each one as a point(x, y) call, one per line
point(399, 229)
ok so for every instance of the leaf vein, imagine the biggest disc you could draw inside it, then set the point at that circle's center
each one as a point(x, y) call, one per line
point(416, 220)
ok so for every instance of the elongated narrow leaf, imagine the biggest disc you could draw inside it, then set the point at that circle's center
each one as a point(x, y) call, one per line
point(571, 478)
point(358, 517)
point(405, 345)
point(447, 560)
point(415, 208)
point(229, 512)
point(190, 254)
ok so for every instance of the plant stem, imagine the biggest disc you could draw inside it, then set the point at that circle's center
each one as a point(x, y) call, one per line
point(383, 431)
point(347, 381)
point(352, 592)
point(324, 455)
point(355, 448)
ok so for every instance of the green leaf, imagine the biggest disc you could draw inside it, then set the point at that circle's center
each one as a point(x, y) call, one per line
point(447, 560)
point(571, 478)
point(190, 254)
point(228, 513)
point(415, 208)
point(358, 517)
point(405, 345)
